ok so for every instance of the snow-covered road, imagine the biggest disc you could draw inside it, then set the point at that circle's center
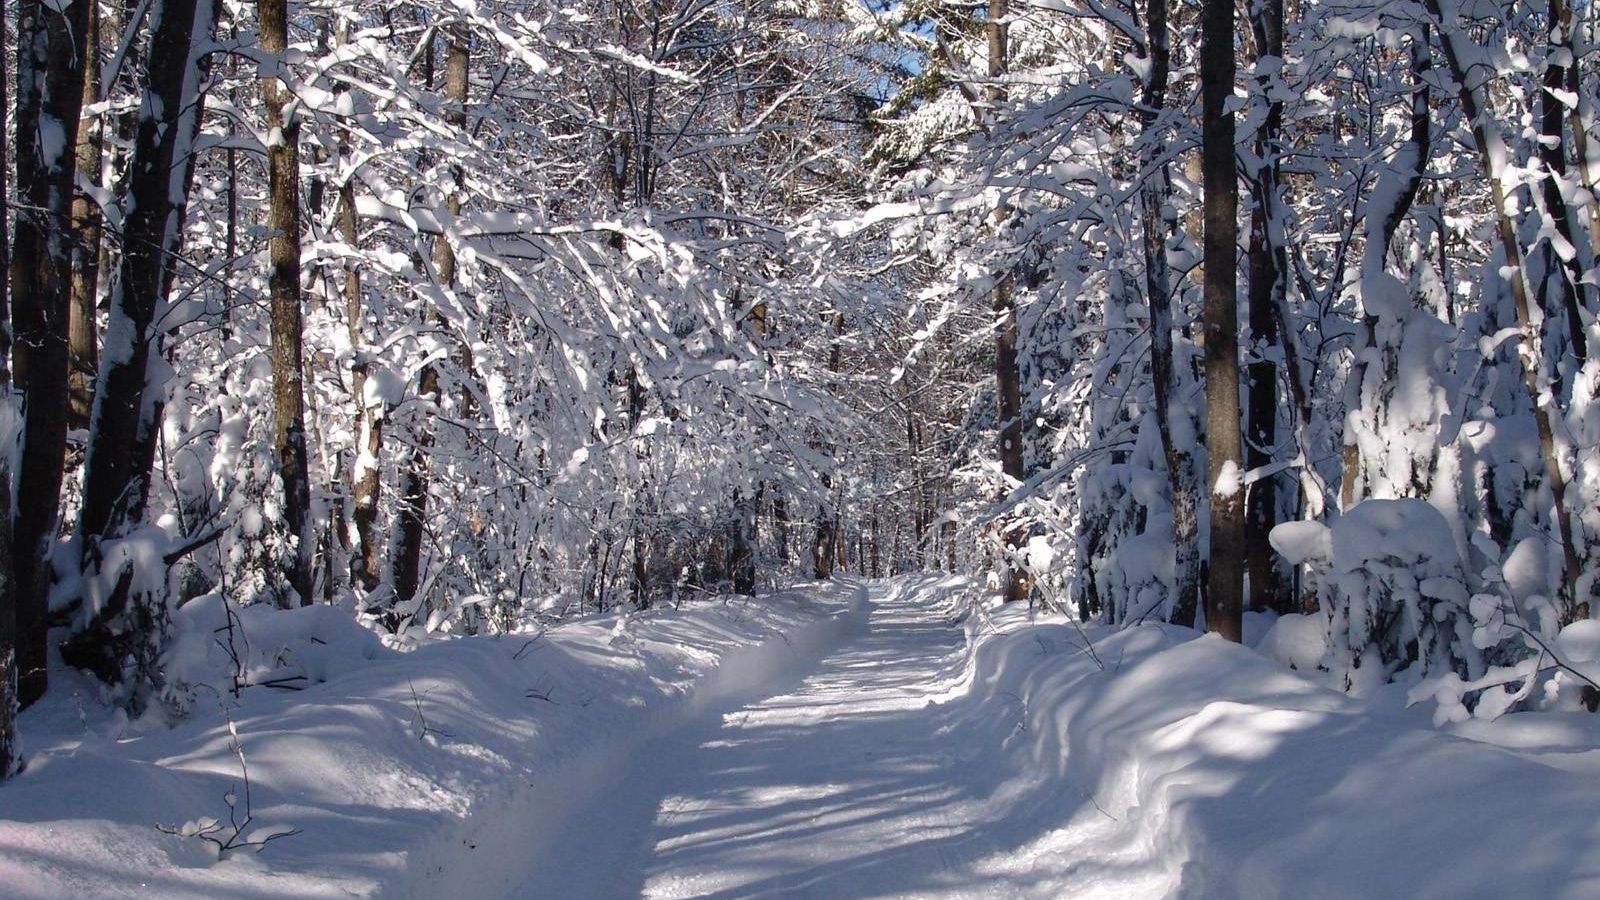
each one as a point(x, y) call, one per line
point(874, 776)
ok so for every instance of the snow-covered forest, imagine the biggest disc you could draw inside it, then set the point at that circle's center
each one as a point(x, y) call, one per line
point(357, 354)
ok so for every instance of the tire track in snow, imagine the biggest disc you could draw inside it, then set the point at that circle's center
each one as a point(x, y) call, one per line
point(873, 776)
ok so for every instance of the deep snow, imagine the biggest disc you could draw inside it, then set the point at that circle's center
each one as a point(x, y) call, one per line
point(904, 738)
point(512, 730)
point(969, 750)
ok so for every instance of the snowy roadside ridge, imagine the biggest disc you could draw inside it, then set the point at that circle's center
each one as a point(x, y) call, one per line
point(416, 774)
point(1243, 778)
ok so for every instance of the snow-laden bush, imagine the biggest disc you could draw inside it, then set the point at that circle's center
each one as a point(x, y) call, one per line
point(1397, 596)
point(221, 647)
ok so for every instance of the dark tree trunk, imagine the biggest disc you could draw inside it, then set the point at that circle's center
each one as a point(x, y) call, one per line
point(1008, 380)
point(10, 749)
point(49, 100)
point(1266, 276)
point(125, 422)
point(741, 541)
point(283, 283)
point(780, 523)
point(1563, 287)
point(824, 541)
point(1225, 578)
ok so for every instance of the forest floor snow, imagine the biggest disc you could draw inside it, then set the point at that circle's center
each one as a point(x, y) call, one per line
point(419, 774)
point(953, 749)
point(885, 739)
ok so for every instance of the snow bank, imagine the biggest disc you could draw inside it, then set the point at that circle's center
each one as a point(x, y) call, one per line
point(420, 774)
point(1245, 779)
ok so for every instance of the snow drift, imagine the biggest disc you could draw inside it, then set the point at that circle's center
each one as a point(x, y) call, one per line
point(418, 774)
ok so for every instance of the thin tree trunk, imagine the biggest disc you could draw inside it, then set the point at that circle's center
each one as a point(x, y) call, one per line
point(1580, 117)
point(1545, 412)
point(780, 519)
point(49, 99)
point(1267, 264)
point(1225, 576)
point(742, 556)
point(1563, 286)
point(283, 283)
point(1008, 381)
point(366, 481)
point(10, 747)
point(82, 339)
point(1155, 190)
point(824, 541)
point(414, 483)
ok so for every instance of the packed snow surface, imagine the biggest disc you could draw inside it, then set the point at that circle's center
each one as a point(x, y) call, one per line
point(906, 738)
point(955, 750)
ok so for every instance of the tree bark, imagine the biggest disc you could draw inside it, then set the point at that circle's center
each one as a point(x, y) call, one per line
point(49, 99)
point(1266, 276)
point(825, 539)
point(82, 340)
point(1225, 576)
point(366, 476)
point(283, 284)
point(10, 748)
point(1008, 381)
point(126, 417)
point(414, 483)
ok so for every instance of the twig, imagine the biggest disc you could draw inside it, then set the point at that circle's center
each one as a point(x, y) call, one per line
point(422, 720)
point(207, 829)
point(524, 649)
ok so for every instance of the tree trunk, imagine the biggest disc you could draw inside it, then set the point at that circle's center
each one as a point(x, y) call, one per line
point(49, 99)
point(366, 481)
point(780, 523)
point(414, 483)
point(741, 538)
point(126, 417)
point(1225, 578)
point(10, 748)
point(1267, 265)
point(1008, 381)
point(824, 541)
point(1563, 286)
point(1155, 191)
point(82, 340)
point(283, 283)
point(1545, 411)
